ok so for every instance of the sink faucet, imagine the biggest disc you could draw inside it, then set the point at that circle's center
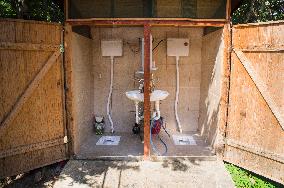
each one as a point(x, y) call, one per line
point(152, 86)
point(141, 84)
point(152, 83)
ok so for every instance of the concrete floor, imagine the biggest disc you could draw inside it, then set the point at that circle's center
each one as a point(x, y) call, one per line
point(179, 172)
point(131, 146)
point(201, 149)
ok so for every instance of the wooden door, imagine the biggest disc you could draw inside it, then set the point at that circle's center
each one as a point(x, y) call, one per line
point(32, 115)
point(255, 128)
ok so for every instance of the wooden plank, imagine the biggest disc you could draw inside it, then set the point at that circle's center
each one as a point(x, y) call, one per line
point(149, 19)
point(17, 164)
point(259, 24)
point(255, 150)
point(31, 147)
point(147, 104)
point(29, 21)
point(261, 86)
point(27, 93)
point(261, 49)
point(27, 46)
point(255, 163)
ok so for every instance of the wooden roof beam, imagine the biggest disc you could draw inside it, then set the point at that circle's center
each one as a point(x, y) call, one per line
point(181, 22)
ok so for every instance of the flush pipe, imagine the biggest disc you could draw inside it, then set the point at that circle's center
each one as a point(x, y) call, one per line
point(177, 95)
point(110, 94)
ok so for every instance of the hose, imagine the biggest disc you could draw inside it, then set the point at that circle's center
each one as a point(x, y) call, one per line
point(110, 94)
point(152, 143)
point(177, 96)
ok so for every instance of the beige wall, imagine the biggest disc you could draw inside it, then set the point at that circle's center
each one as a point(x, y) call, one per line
point(211, 74)
point(190, 72)
point(83, 88)
point(123, 109)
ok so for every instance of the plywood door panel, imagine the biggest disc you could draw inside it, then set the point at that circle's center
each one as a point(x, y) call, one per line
point(255, 134)
point(32, 119)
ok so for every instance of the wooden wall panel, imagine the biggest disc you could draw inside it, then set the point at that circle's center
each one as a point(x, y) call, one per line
point(26, 140)
point(254, 134)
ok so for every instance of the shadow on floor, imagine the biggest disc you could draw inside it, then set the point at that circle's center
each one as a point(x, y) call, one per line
point(179, 164)
point(38, 178)
point(94, 173)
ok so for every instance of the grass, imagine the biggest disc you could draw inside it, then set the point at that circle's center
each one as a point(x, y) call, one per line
point(247, 179)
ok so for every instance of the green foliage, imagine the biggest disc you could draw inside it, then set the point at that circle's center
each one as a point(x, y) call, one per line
point(45, 10)
point(42, 10)
point(6, 9)
point(246, 179)
point(252, 11)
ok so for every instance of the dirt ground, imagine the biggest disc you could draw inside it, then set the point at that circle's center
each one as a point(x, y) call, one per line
point(179, 172)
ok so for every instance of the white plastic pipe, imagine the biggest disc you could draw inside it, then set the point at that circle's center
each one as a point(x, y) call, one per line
point(110, 94)
point(177, 95)
point(137, 112)
point(157, 110)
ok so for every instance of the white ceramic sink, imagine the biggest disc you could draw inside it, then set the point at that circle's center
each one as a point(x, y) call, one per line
point(157, 95)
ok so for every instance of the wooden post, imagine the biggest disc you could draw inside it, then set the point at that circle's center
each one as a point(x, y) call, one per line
point(224, 103)
point(181, 22)
point(68, 87)
point(66, 9)
point(228, 10)
point(147, 104)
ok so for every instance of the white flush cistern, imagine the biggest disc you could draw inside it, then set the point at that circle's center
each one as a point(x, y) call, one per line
point(111, 48)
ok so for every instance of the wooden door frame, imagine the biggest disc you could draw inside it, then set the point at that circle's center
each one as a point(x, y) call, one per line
point(147, 105)
point(69, 104)
point(147, 23)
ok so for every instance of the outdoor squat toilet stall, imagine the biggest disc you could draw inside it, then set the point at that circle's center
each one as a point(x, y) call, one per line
point(117, 68)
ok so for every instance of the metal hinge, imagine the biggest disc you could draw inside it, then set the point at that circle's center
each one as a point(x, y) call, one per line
point(61, 47)
point(65, 139)
point(231, 48)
